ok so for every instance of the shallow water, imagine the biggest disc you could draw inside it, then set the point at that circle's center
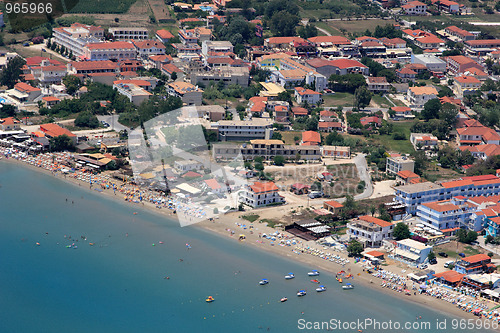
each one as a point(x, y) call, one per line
point(119, 285)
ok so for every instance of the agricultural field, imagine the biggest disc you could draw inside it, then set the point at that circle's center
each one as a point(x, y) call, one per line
point(160, 10)
point(137, 15)
point(357, 27)
point(103, 6)
point(338, 99)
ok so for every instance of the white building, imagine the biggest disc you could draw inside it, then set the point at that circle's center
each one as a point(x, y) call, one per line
point(189, 93)
point(423, 140)
point(48, 73)
point(418, 96)
point(134, 93)
point(188, 165)
point(130, 33)
point(75, 37)
point(110, 51)
point(415, 8)
point(261, 194)
point(411, 251)
point(257, 128)
point(209, 46)
point(146, 48)
point(369, 230)
point(307, 95)
point(398, 163)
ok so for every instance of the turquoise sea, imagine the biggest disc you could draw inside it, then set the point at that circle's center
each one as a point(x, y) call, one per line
point(119, 285)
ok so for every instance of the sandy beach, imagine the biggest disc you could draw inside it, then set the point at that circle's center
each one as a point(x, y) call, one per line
point(231, 226)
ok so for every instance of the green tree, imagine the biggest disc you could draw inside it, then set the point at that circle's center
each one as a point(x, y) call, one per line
point(12, 72)
point(283, 24)
point(277, 136)
point(7, 110)
point(173, 76)
point(448, 113)
point(431, 109)
point(61, 143)
point(461, 235)
point(279, 160)
point(471, 237)
point(354, 248)
point(363, 97)
point(431, 256)
point(401, 231)
point(72, 84)
point(86, 119)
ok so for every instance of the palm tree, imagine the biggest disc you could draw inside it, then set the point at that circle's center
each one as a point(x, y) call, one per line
point(373, 209)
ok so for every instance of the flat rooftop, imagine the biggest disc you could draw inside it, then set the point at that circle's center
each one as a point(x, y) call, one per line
point(420, 187)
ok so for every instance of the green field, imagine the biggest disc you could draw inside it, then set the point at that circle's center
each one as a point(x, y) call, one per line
point(103, 6)
point(381, 101)
point(339, 99)
point(399, 146)
point(358, 26)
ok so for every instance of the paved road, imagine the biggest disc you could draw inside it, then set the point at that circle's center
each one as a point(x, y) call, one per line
point(112, 120)
point(360, 161)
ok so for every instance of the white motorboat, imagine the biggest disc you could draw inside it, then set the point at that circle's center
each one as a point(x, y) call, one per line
point(321, 289)
point(348, 286)
point(289, 276)
point(301, 293)
point(263, 282)
point(313, 273)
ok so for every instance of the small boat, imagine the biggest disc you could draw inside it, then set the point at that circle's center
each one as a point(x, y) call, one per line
point(263, 282)
point(290, 276)
point(313, 273)
point(284, 299)
point(314, 281)
point(301, 293)
point(210, 299)
point(340, 280)
point(348, 286)
point(321, 288)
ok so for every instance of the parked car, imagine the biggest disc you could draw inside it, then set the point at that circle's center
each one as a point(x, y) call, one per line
point(315, 194)
point(462, 254)
point(443, 254)
point(433, 261)
point(448, 263)
point(423, 266)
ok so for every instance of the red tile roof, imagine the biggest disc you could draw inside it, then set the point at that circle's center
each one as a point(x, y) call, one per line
point(311, 137)
point(21, 86)
point(476, 258)
point(334, 204)
point(146, 44)
point(407, 174)
point(94, 65)
point(213, 184)
point(371, 219)
point(164, 34)
point(54, 130)
point(347, 63)
point(259, 187)
point(335, 40)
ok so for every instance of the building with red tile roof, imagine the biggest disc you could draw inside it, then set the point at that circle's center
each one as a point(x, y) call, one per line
point(298, 111)
point(415, 8)
point(99, 66)
point(52, 130)
point(311, 138)
point(261, 194)
point(369, 230)
point(163, 35)
point(109, 51)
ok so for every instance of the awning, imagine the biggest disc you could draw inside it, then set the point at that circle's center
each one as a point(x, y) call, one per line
point(188, 188)
point(406, 254)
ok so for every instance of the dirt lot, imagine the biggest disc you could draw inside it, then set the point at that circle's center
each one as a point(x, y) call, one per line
point(160, 10)
point(345, 177)
point(452, 249)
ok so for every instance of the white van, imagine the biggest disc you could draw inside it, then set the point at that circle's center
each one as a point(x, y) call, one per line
point(448, 263)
